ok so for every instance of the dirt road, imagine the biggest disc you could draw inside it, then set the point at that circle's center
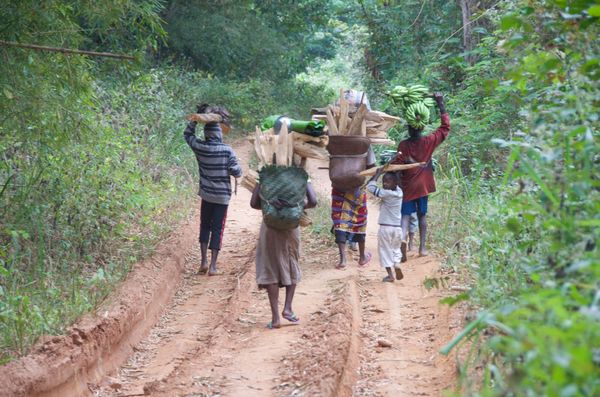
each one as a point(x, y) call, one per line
point(212, 339)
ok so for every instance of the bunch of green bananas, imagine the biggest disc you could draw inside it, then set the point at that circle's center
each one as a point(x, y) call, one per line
point(414, 102)
point(417, 115)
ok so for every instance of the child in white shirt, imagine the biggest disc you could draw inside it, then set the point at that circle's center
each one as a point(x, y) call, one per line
point(389, 236)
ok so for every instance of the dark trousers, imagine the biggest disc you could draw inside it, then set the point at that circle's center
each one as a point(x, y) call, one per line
point(347, 237)
point(212, 223)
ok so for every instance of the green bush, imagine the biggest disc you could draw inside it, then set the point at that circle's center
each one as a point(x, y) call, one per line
point(532, 234)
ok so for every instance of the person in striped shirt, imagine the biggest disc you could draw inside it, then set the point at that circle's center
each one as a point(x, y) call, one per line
point(216, 164)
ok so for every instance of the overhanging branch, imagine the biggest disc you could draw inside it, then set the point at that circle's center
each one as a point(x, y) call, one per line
point(66, 50)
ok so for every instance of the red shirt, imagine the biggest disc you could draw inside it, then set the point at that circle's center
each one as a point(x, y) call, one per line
point(419, 182)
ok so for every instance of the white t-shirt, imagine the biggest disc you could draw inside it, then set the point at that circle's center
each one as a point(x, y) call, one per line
point(391, 204)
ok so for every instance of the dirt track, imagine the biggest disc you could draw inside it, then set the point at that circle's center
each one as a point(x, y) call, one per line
point(211, 340)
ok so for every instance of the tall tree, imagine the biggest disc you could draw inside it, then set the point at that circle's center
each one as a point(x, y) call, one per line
point(468, 44)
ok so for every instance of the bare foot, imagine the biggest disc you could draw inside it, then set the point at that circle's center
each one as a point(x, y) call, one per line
point(203, 269)
point(399, 275)
point(388, 279)
point(274, 325)
point(364, 261)
point(403, 250)
point(423, 252)
point(341, 266)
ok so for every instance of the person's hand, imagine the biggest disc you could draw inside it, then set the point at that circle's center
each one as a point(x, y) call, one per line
point(202, 108)
point(439, 99)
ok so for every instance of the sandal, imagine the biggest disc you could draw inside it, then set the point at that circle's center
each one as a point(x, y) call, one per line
point(203, 270)
point(368, 257)
point(388, 279)
point(270, 326)
point(291, 318)
point(215, 273)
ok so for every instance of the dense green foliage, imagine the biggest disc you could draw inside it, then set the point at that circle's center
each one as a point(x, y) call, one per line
point(249, 39)
point(535, 255)
point(543, 240)
point(93, 164)
point(63, 198)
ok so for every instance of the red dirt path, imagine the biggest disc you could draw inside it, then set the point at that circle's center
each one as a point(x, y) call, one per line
point(170, 332)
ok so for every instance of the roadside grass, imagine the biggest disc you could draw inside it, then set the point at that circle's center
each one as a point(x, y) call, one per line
point(529, 318)
point(321, 219)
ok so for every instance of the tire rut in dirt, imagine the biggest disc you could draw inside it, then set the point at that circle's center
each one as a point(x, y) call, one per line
point(202, 308)
point(324, 362)
point(404, 328)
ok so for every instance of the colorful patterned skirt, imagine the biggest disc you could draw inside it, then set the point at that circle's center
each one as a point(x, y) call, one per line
point(349, 211)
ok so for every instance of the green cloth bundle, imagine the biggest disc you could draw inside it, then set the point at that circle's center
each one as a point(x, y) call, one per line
point(269, 122)
point(282, 193)
point(309, 127)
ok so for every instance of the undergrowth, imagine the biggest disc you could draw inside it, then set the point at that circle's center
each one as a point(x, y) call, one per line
point(321, 219)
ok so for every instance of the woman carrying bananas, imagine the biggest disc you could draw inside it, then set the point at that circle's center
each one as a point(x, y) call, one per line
point(417, 183)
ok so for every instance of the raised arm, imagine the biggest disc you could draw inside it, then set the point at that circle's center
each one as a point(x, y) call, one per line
point(439, 99)
point(189, 134)
point(444, 129)
point(372, 183)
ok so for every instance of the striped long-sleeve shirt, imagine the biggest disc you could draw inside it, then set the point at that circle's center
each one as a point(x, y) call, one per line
point(216, 163)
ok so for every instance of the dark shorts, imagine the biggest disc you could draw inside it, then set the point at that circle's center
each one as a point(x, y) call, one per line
point(212, 224)
point(343, 237)
point(418, 205)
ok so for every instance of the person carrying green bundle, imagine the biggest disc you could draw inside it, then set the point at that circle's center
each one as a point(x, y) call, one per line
point(281, 193)
point(418, 183)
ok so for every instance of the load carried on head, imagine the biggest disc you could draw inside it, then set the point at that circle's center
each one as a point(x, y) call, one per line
point(207, 114)
point(352, 115)
point(310, 127)
point(306, 137)
point(282, 181)
point(413, 102)
point(349, 144)
point(353, 127)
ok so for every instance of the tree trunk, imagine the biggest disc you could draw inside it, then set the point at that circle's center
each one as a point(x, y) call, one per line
point(468, 45)
point(372, 65)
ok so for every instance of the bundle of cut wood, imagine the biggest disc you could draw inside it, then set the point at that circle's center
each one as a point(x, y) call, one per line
point(280, 149)
point(271, 148)
point(391, 168)
point(206, 118)
point(302, 146)
point(349, 119)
